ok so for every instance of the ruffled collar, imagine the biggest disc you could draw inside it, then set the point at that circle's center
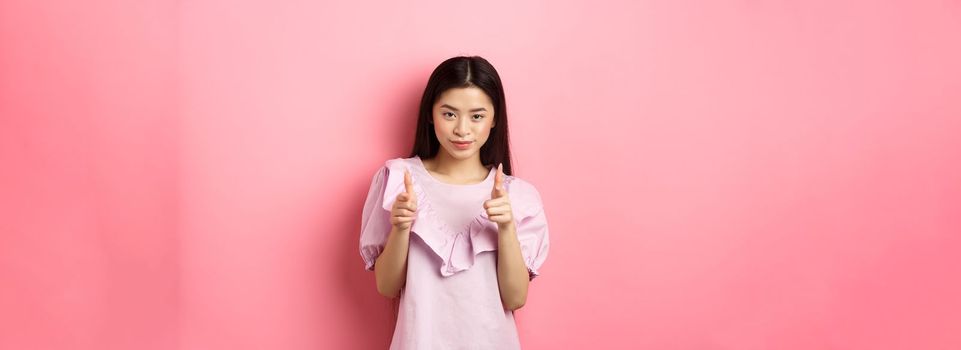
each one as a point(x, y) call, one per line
point(455, 246)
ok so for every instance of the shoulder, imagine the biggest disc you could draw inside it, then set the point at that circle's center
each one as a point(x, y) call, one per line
point(399, 163)
point(524, 194)
point(522, 186)
point(389, 178)
point(394, 165)
point(391, 168)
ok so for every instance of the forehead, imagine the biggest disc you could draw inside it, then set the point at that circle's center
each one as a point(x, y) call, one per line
point(464, 98)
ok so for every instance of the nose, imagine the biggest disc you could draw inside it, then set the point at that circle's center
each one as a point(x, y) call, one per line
point(460, 129)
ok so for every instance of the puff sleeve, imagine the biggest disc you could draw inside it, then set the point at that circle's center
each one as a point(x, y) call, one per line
point(532, 230)
point(375, 220)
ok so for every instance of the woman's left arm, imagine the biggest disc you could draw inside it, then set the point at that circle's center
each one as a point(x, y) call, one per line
point(512, 276)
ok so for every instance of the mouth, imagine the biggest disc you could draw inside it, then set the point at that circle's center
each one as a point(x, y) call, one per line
point(462, 144)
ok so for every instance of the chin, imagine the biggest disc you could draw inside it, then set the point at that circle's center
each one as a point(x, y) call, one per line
point(461, 155)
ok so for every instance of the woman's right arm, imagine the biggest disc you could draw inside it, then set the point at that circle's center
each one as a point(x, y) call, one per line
point(390, 268)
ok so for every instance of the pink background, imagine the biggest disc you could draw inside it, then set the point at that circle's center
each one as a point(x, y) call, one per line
point(717, 174)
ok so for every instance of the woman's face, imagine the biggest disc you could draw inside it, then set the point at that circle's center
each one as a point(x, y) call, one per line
point(463, 114)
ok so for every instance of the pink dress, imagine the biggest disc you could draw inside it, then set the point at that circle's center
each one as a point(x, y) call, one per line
point(451, 298)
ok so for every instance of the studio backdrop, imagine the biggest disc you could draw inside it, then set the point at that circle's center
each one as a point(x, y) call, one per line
point(190, 174)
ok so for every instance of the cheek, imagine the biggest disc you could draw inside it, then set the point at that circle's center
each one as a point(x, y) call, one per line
point(441, 127)
point(438, 124)
point(484, 131)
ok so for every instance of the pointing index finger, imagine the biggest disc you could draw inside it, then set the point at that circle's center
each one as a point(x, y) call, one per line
point(499, 181)
point(408, 185)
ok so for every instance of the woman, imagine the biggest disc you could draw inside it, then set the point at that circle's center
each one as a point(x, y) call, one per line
point(449, 230)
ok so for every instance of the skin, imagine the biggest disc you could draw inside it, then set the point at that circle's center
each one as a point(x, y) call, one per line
point(457, 115)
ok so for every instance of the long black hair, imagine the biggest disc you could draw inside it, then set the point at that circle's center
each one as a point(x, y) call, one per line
point(461, 72)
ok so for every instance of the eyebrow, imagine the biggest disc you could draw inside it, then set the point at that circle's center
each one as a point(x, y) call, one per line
point(457, 110)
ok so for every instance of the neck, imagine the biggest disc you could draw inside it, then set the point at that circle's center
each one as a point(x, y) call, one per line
point(467, 168)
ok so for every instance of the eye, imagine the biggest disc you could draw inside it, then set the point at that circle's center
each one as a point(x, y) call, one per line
point(446, 113)
point(479, 115)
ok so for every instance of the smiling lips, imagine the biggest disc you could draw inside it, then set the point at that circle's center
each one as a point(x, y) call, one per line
point(462, 144)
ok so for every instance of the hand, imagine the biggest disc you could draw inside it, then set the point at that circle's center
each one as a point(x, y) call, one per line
point(405, 207)
point(499, 206)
